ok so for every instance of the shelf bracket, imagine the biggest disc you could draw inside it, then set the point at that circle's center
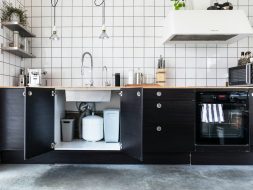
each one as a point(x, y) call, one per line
point(2, 45)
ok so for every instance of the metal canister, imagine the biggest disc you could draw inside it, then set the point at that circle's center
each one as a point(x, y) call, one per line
point(138, 78)
point(16, 39)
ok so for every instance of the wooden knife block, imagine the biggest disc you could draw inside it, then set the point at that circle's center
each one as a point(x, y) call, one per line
point(161, 77)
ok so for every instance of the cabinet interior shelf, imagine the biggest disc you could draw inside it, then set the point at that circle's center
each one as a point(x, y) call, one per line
point(15, 26)
point(18, 52)
point(78, 144)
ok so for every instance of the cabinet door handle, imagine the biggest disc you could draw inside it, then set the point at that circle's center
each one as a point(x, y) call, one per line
point(138, 93)
point(30, 93)
point(158, 128)
point(159, 105)
point(159, 93)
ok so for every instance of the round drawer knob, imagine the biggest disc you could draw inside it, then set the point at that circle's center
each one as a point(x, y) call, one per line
point(30, 93)
point(158, 128)
point(159, 105)
point(159, 93)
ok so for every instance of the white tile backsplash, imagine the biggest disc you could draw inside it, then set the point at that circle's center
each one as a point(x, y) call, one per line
point(10, 65)
point(135, 28)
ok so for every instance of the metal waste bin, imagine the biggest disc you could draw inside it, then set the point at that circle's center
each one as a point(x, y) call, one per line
point(67, 127)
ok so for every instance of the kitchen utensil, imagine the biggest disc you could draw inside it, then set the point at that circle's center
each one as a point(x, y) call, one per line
point(92, 128)
point(138, 78)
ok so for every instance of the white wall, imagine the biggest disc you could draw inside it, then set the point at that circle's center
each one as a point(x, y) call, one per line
point(135, 28)
point(9, 64)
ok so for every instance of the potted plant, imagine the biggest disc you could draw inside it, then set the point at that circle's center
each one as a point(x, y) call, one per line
point(11, 13)
point(178, 4)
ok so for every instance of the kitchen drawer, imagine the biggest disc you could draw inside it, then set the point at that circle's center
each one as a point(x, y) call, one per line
point(169, 94)
point(169, 112)
point(163, 139)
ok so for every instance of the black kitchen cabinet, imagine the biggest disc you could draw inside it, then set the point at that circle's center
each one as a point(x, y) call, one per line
point(12, 117)
point(131, 104)
point(27, 120)
point(168, 120)
point(159, 121)
point(39, 121)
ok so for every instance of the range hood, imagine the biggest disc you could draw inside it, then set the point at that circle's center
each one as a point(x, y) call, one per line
point(206, 26)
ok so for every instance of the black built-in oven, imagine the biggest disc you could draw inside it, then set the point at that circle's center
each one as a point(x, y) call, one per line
point(222, 121)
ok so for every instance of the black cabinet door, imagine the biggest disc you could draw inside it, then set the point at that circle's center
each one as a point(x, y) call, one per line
point(131, 122)
point(11, 119)
point(39, 130)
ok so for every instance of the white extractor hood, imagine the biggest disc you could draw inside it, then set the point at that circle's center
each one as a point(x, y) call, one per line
point(206, 26)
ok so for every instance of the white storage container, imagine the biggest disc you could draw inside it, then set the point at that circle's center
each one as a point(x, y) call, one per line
point(92, 128)
point(111, 125)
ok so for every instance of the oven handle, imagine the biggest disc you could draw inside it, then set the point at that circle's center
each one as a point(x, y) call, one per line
point(247, 81)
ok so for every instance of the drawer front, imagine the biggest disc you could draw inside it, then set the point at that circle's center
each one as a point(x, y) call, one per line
point(163, 139)
point(169, 112)
point(169, 94)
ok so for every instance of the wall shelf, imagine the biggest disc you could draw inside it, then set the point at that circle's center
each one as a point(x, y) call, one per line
point(18, 52)
point(15, 26)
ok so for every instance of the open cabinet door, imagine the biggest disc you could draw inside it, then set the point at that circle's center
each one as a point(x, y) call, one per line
point(131, 122)
point(39, 121)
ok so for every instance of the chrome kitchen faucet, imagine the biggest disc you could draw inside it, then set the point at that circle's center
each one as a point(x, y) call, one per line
point(82, 68)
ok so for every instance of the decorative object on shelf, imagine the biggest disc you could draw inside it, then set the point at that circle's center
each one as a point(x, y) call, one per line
point(103, 35)
point(246, 57)
point(161, 72)
point(13, 14)
point(54, 35)
point(178, 4)
point(221, 6)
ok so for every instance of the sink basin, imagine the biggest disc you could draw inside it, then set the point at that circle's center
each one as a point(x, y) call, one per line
point(88, 95)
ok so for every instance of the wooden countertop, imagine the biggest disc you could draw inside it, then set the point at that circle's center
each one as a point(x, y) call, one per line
point(113, 88)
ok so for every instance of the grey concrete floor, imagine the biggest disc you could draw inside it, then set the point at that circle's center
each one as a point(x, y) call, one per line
point(125, 177)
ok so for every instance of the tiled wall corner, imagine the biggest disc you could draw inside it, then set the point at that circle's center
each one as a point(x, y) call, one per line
point(9, 64)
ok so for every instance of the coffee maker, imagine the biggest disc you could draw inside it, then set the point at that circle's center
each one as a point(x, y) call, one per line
point(34, 77)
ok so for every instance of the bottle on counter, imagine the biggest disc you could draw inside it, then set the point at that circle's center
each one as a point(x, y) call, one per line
point(117, 79)
point(22, 78)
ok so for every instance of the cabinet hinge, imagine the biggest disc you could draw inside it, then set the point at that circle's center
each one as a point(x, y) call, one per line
point(121, 93)
point(53, 93)
point(53, 145)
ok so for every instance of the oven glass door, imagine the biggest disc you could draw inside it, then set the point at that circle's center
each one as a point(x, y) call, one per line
point(233, 130)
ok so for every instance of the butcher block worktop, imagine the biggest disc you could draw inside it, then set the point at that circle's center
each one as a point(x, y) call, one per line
point(116, 88)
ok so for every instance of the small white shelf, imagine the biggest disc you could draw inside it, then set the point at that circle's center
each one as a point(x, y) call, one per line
point(84, 145)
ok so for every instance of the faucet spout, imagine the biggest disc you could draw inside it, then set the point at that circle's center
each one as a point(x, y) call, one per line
point(91, 62)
